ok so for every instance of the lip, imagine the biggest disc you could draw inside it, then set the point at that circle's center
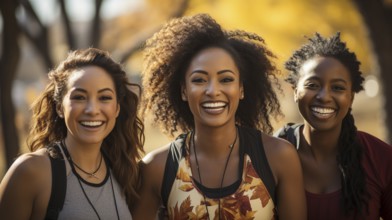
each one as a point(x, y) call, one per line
point(322, 112)
point(214, 107)
point(91, 123)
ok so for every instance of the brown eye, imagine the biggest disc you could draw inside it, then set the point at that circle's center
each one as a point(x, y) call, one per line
point(338, 88)
point(77, 97)
point(106, 98)
point(227, 79)
point(311, 85)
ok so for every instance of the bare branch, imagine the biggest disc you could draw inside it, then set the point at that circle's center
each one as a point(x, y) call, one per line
point(140, 42)
point(96, 25)
point(67, 24)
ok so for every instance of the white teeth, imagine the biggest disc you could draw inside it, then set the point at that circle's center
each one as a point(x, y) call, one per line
point(91, 123)
point(323, 110)
point(214, 104)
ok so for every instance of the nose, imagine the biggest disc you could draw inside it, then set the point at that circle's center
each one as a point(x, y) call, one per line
point(323, 94)
point(213, 88)
point(92, 107)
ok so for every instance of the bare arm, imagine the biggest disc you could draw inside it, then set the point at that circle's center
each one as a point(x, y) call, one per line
point(286, 167)
point(152, 168)
point(21, 190)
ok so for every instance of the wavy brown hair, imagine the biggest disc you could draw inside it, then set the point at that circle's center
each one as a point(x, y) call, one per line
point(124, 144)
point(168, 54)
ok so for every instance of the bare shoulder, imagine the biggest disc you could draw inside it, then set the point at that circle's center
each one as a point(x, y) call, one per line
point(30, 167)
point(157, 156)
point(278, 147)
point(153, 167)
point(280, 154)
point(26, 185)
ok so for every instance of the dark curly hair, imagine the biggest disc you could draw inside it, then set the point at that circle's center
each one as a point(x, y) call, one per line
point(169, 53)
point(124, 144)
point(350, 152)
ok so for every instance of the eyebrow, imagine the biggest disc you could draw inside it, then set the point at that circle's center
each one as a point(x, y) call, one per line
point(333, 80)
point(205, 72)
point(99, 91)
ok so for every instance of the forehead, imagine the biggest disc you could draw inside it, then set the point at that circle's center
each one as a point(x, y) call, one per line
point(213, 57)
point(325, 68)
point(90, 76)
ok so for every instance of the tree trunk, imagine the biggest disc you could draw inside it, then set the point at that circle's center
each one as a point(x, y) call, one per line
point(96, 25)
point(378, 18)
point(67, 23)
point(8, 66)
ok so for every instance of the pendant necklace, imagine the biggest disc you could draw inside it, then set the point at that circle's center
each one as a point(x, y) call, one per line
point(93, 174)
point(231, 146)
point(63, 146)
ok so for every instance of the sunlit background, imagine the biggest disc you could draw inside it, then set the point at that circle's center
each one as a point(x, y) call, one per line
point(125, 24)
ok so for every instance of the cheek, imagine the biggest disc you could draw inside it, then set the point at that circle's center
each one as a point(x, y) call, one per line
point(299, 95)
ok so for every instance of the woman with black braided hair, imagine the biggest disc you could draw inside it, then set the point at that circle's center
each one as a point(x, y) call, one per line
point(347, 173)
point(215, 86)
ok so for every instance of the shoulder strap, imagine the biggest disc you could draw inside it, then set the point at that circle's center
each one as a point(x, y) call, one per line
point(176, 152)
point(290, 132)
point(251, 140)
point(59, 185)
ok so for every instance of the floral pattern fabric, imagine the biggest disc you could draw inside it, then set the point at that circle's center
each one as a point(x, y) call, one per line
point(250, 201)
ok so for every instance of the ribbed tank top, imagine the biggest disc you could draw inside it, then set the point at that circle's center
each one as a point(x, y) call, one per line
point(76, 206)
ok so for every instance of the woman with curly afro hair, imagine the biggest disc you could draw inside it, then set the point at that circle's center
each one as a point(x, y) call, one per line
point(347, 173)
point(215, 87)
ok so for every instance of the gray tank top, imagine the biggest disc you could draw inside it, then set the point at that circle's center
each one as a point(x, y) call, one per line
point(76, 205)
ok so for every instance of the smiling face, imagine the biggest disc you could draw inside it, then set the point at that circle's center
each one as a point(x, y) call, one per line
point(212, 87)
point(89, 106)
point(324, 93)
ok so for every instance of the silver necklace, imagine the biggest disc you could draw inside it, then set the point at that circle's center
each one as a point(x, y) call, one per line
point(231, 146)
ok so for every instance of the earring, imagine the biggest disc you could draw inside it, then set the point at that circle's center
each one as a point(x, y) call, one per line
point(183, 97)
point(60, 114)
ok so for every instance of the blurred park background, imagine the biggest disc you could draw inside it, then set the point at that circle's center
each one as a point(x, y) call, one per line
point(36, 34)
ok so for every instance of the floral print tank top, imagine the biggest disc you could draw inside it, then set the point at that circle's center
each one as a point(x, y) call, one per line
point(251, 200)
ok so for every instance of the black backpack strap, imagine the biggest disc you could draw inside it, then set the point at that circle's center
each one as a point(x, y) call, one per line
point(251, 140)
point(176, 152)
point(290, 132)
point(59, 185)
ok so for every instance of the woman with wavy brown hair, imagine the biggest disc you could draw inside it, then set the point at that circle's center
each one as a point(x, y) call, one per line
point(215, 87)
point(85, 120)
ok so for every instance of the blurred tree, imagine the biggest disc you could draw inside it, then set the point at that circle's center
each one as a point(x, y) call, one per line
point(37, 33)
point(378, 17)
point(283, 23)
point(8, 64)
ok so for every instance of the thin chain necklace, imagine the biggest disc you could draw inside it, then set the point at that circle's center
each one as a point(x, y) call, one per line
point(63, 146)
point(93, 174)
point(231, 146)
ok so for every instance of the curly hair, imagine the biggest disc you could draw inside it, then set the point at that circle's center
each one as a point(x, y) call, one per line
point(350, 151)
point(124, 144)
point(168, 54)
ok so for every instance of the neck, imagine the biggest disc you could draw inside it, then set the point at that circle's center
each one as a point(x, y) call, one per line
point(322, 144)
point(85, 156)
point(215, 141)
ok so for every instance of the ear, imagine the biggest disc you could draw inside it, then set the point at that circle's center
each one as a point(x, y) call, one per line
point(118, 110)
point(59, 110)
point(242, 91)
point(183, 93)
point(352, 98)
point(295, 95)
